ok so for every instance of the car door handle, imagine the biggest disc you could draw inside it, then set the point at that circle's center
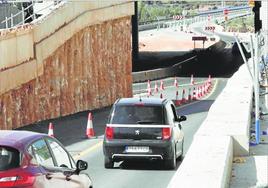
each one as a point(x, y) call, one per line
point(49, 176)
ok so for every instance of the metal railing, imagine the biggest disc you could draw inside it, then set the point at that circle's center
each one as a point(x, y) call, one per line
point(33, 16)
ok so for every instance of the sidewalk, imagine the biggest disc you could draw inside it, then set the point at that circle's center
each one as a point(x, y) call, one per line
point(252, 171)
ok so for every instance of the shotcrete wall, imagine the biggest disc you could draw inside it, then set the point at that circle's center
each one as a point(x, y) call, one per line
point(90, 70)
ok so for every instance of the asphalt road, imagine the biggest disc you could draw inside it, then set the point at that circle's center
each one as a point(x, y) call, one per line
point(70, 130)
point(143, 173)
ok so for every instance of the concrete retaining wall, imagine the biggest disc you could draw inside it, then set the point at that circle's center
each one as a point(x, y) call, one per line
point(223, 135)
point(66, 70)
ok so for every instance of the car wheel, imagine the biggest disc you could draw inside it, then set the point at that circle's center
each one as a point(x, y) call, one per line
point(108, 162)
point(181, 156)
point(171, 163)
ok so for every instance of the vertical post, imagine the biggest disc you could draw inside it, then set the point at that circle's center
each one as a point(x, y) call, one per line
point(158, 24)
point(256, 81)
point(135, 34)
point(22, 12)
point(244, 58)
point(6, 22)
point(11, 19)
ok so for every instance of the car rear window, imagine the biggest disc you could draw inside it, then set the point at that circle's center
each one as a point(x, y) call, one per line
point(137, 114)
point(9, 158)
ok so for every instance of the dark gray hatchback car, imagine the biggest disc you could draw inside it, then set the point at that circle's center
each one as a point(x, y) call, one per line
point(143, 128)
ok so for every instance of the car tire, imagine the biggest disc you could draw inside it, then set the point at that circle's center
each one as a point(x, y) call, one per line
point(108, 162)
point(171, 163)
point(181, 156)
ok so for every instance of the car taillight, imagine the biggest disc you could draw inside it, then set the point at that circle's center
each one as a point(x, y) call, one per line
point(166, 133)
point(20, 179)
point(109, 132)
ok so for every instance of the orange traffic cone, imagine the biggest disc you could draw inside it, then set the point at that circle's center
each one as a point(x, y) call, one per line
point(194, 94)
point(90, 132)
point(176, 82)
point(149, 92)
point(204, 89)
point(192, 80)
point(198, 93)
point(209, 79)
point(155, 88)
point(189, 95)
point(162, 85)
point(149, 84)
point(177, 101)
point(50, 130)
point(183, 98)
point(149, 89)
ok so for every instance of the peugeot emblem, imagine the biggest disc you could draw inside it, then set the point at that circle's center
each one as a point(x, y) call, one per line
point(137, 132)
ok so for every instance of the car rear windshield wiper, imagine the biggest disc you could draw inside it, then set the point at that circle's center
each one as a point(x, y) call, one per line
point(146, 122)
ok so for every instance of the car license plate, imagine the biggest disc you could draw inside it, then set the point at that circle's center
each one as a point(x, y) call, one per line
point(137, 149)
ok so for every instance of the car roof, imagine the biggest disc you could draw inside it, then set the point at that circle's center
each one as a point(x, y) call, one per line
point(18, 139)
point(145, 101)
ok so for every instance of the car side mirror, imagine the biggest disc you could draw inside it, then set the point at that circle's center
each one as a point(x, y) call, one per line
point(182, 118)
point(81, 165)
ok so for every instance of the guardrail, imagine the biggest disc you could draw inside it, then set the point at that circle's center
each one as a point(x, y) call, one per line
point(164, 23)
point(143, 76)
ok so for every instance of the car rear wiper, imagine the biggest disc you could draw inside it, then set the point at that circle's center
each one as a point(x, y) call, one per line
point(146, 122)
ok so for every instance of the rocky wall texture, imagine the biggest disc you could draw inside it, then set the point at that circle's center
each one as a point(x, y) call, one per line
point(91, 70)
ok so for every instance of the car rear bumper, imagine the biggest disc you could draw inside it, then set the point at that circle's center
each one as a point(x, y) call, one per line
point(116, 150)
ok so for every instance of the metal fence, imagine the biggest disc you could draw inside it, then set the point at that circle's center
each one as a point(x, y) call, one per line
point(15, 14)
point(8, 10)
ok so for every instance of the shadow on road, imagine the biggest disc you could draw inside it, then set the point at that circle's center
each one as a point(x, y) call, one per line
point(146, 165)
point(199, 106)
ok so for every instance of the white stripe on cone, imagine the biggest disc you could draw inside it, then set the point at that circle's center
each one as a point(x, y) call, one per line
point(90, 132)
point(50, 130)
